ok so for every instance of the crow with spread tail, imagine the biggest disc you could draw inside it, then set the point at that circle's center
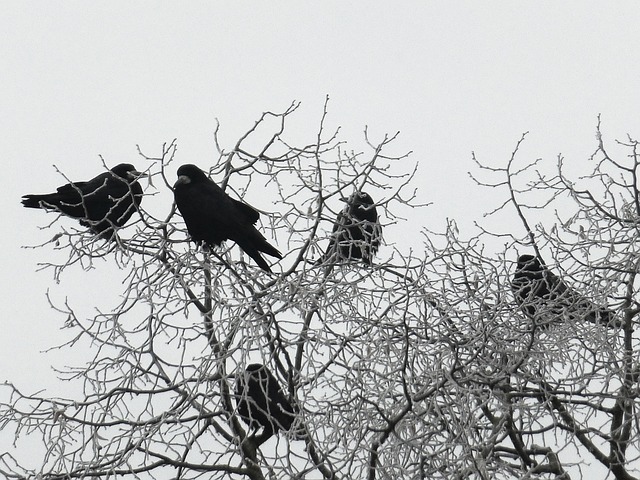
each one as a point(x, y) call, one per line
point(261, 402)
point(103, 203)
point(212, 216)
point(356, 233)
point(546, 299)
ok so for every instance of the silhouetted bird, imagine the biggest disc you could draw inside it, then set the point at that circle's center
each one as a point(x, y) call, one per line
point(212, 216)
point(103, 203)
point(261, 402)
point(356, 233)
point(547, 299)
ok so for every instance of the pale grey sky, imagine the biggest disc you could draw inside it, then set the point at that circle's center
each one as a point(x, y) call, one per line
point(83, 79)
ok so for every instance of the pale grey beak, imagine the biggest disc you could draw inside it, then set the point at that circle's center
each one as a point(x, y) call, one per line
point(134, 174)
point(182, 180)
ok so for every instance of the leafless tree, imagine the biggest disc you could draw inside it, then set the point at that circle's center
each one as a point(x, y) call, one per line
point(421, 365)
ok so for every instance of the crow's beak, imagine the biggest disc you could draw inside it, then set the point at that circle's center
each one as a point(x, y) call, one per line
point(134, 174)
point(182, 180)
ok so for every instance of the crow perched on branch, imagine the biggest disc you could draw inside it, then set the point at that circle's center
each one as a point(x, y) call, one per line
point(212, 216)
point(356, 233)
point(103, 203)
point(261, 402)
point(547, 299)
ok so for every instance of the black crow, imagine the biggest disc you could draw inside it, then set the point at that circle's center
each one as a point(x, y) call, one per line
point(547, 299)
point(212, 216)
point(356, 233)
point(103, 203)
point(261, 402)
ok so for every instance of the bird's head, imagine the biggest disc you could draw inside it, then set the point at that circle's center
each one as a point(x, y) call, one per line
point(257, 372)
point(254, 367)
point(127, 172)
point(189, 174)
point(358, 199)
point(529, 263)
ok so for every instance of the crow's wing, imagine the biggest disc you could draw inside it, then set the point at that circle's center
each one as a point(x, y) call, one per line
point(248, 211)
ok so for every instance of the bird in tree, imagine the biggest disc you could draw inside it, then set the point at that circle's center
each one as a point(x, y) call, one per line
point(262, 403)
point(212, 216)
point(546, 299)
point(356, 233)
point(103, 203)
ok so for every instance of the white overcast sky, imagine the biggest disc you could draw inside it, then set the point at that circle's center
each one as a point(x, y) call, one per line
point(82, 79)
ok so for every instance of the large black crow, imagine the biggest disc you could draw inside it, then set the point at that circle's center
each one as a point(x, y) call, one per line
point(356, 233)
point(103, 203)
point(547, 299)
point(261, 402)
point(212, 216)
